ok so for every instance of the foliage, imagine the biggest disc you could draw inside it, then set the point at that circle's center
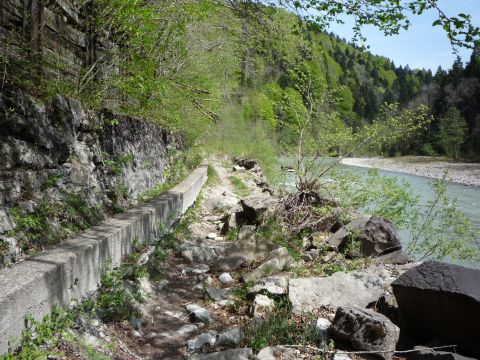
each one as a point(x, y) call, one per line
point(39, 336)
point(439, 231)
point(443, 231)
point(281, 328)
point(451, 132)
point(239, 187)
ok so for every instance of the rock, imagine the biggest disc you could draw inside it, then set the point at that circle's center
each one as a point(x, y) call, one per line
point(184, 330)
point(239, 169)
point(341, 357)
point(277, 352)
point(255, 207)
point(248, 164)
point(201, 253)
point(136, 322)
point(206, 339)
point(340, 237)
point(232, 336)
point(217, 294)
point(162, 284)
point(136, 334)
point(277, 260)
point(262, 305)
point(225, 278)
point(341, 289)
point(427, 354)
point(366, 330)
point(398, 257)
point(379, 237)
point(198, 313)
point(211, 236)
point(249, 246)
point(199, 269)
point(376, 236)
point(274, 285)
point(232, 354)
point(323, 325)
point(441, 301)
point(5, 222)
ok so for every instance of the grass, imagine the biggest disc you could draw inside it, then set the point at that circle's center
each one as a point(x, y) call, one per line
point(239, 187)
point(282, 328)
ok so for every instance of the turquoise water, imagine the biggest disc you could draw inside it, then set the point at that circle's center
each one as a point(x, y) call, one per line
point(468, 197)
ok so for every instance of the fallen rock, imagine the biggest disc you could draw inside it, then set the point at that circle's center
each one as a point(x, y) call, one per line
point(441, 301)
point(186, 329)
point(277, 352)
point(201, 253)
point(225, 278)
point(428, 354)
point(376, 236)
point(198, 313)
point(274, 285)
point(232, 336)
point(366, 330)
point(217, 294)
point(255, 207)
point(249, 246)
point(262, 305)
point(248, 164)
point(398, 257)
point(277, 260)
point(232, 354)
point(211, 236)
point(323, 325)
point(341, 289)
point(203, 340)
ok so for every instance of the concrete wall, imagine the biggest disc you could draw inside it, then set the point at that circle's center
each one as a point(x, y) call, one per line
point(73, 270)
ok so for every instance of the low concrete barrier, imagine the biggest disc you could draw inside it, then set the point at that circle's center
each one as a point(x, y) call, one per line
point(73, 270)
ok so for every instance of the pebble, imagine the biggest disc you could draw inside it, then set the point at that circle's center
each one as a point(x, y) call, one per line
point(225, 278)
point(211, 236)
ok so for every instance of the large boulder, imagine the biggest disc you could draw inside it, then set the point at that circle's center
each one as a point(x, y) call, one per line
point(375, 236)
point(441, 301)
point(366, 330)
point(341, 289)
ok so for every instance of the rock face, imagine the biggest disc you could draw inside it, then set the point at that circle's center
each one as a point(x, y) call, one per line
point(340, 289)
point(53, 153)
point(442, 301)
point(376, 236)
point(366, 330)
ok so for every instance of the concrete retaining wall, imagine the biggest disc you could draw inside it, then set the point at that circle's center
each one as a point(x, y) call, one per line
point(73, 270)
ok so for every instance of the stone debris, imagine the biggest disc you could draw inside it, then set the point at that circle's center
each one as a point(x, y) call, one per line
point(278, 260)
point(203, 340)
point(232, 336)
point(198, 313)
point(232, 354)
point(225, 278)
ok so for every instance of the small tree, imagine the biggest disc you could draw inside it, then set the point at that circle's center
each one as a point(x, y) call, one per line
point(452, 132)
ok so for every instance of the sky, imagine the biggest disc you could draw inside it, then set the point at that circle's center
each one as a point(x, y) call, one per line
point(422, 46)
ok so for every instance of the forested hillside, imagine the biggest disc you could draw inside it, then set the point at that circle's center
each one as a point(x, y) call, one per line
point(229, 75)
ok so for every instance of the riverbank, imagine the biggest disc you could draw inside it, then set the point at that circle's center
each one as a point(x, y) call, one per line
point(434, 168)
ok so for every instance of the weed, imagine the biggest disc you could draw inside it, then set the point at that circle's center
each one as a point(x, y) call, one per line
point(240, 188)
point(232, 234)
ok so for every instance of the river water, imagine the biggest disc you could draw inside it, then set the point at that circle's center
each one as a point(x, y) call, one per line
point(468, 197)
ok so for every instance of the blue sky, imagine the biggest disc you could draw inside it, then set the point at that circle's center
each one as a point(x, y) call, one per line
point(422, 46)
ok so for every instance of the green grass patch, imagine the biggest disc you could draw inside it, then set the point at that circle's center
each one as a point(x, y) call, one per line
point(239, 187)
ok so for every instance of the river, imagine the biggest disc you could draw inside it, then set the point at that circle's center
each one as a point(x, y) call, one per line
point(468, 197)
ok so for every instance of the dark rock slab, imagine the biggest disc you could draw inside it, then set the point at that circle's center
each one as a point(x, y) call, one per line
point(255, 207)
point(427, 354)
point(441, 301)
point(366, 330)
